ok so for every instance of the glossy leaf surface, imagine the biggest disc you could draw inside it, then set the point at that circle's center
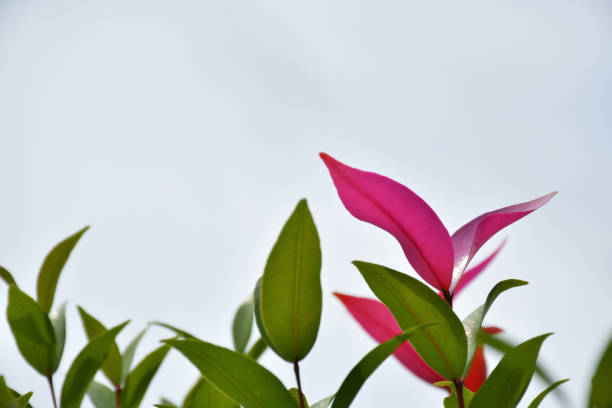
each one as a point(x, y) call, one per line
point(536, 402)
point(112, 366)
point(366, 366)
point(242, 325)
point(393, 207)
point(324, 403)
point(290, 294)
point(444, 346)
point(58, 321)
point(137, 381)
point(236, 375)
point(475, 271)
point(507, 383)
point(473, 322)
point(32, 330)
point(51, 269)
point(601, 388)
point(85, 366)
point(205, 395)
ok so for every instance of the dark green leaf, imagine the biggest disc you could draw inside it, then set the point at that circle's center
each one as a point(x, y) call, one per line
point(236, 375)
point(443, 346)
point(52, 268)
point(33, 331)
point(601, 384)
point(324, 403)
point(473, 323)
point(101, 396)
point(164, 406)
point(204, 395)
point(368, 364)
point(6, 396)
point(242, 325)
point(6, 276)
point(85, 366)
point(23, 401)
point(452, 401)
point(139, 379)
point(128, 355)
point(112, 366)
point(536, 402)
point(257, 349)
point(58, 321)
point(509, 380)
point(291, 295)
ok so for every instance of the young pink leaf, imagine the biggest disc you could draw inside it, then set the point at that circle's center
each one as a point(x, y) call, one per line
point(472, 273)
point(393, 207)
point(478, 371)
point(378, 321)
point(473, 235)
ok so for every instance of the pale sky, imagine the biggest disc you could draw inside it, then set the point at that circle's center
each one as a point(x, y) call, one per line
point(185, 132)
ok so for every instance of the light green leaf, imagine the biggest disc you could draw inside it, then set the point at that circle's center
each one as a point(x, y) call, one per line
point(444, 346)
point(58, 321)
point(367, 365)
point(295, 393)
point(23, 400)
point(242, 325)
point(236, 375)
point(506, 385)
point(52, 268)
point(291, 295)
point(324, 403)
point(601, 388)
point(101, 396)
point(178, 331)
point(473, 323)
point(6, 396)
point(112, 366)
point(128, 355)
point(85, 366)
point(452, 401)
point(204, 395)
point(536, 402)
point(138, 380)
point(33, 331)
point(257, 311)
point(167, 402)
point(6, 276)
point(257, 349)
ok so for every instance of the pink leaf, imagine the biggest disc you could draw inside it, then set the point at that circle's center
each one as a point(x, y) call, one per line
point(469, 238)
point(396, 209)
point(478, 371)
point(378, 321)
point(472, 273)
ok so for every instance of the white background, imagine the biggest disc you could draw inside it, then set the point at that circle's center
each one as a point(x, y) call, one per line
point(185, 132)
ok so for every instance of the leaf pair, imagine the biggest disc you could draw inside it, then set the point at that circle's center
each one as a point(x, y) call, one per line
point(11, 399)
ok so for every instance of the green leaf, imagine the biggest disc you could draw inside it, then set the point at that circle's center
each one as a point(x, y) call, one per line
point(367, 365)
point(101, 396)
point(236, 375)
point(23, 400)
point(452, 401)
point(507, 383)
point(536, 402)
point(601, 390)
point(291, 295)
point(128, 355)
point(295, 393)
point(204, 395)
point(257, 310)
point(58, 321)
point(85, 366)
point(139, 379)
point(242, 325)
point(473, 323)
point(178, 331)
point(257, 349)
point(6, 396)
point(6, 276)
point(444, 346)
point(52, 268)
point(33, 331)
point(112, 367)
point(324, 403)
point(168, 403)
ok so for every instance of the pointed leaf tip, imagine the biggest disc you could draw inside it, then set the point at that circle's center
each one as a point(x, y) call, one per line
point(393, 207)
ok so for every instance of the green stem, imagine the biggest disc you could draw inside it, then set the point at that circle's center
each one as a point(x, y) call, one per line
point(296, 369)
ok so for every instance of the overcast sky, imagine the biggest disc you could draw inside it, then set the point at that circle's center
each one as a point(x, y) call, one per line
point(185, 132)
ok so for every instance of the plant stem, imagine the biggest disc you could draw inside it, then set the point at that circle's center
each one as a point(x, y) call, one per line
point(50, 381)
point(118, 395)
point(296, 369)
point(448, 297)
point(459, 389)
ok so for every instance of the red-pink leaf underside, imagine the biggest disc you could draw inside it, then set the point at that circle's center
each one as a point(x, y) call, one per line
point(393, 207)
point(377, 320)
point(473, 235)
point(472, 273)
point(478, 371)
